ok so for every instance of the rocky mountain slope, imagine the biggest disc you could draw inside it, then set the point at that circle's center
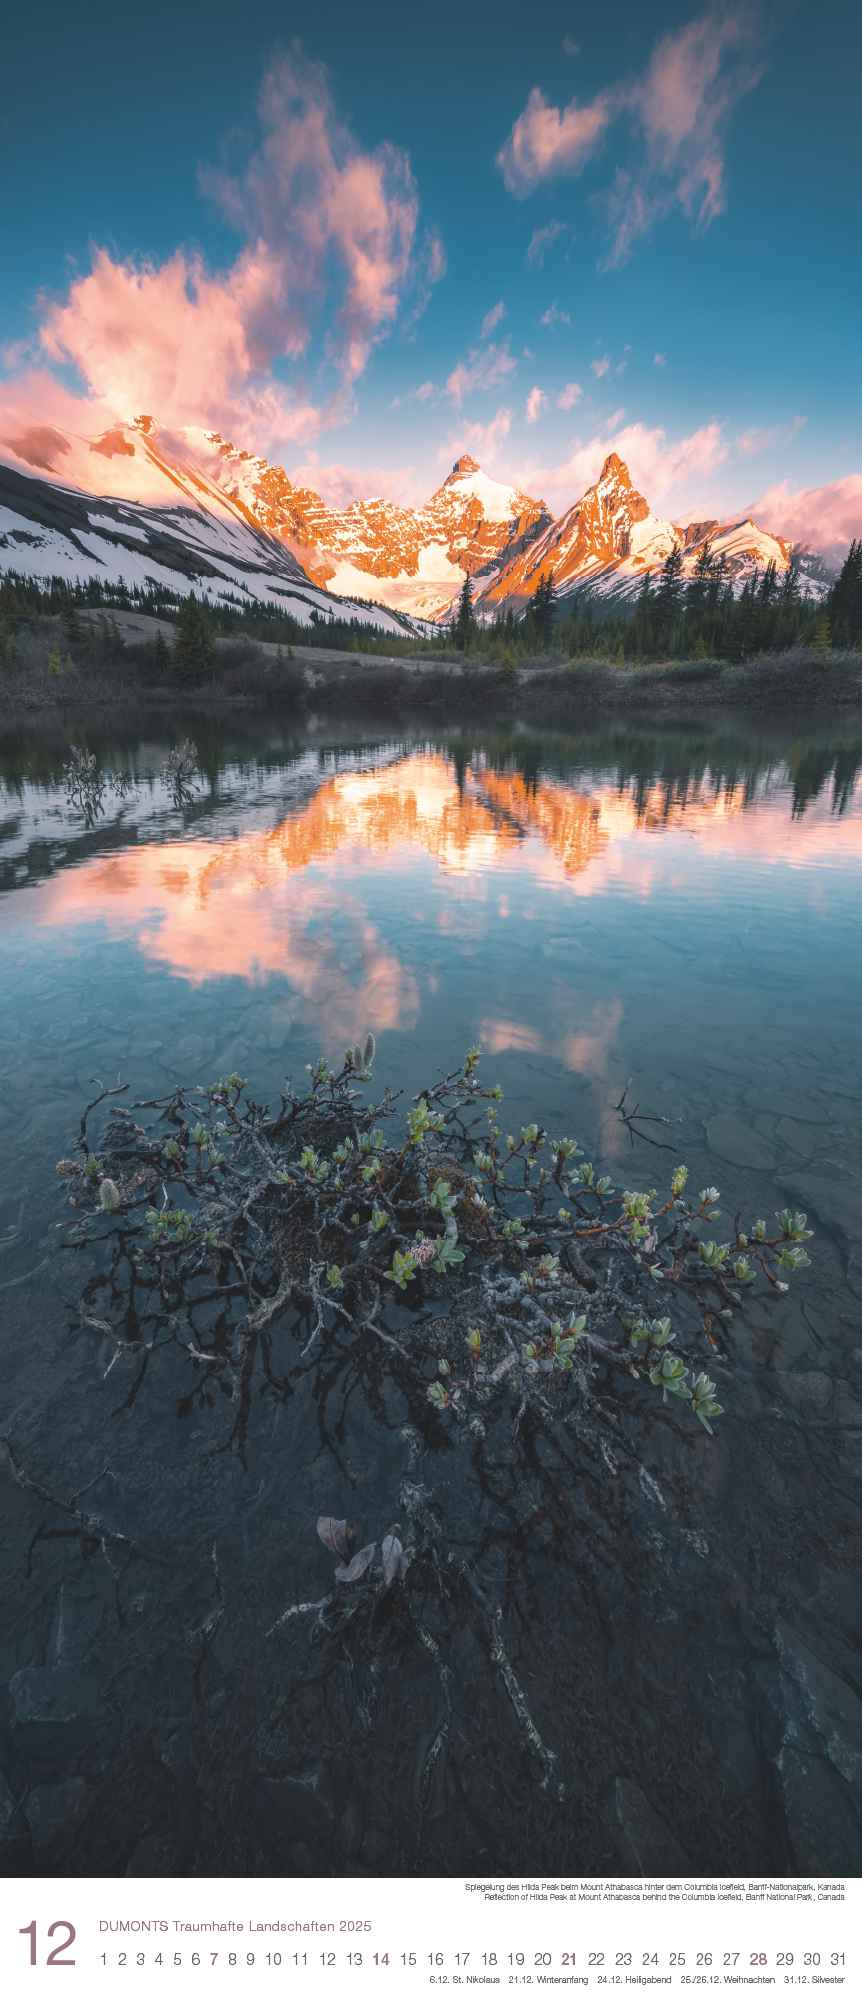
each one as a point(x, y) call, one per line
point(418, 556)
point(610, 538)
point(191, 507)
point(204, 543)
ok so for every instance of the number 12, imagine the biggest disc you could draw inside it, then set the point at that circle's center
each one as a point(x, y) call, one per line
point(56, 1959)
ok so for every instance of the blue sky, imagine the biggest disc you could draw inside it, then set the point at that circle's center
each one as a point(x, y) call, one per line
point(696, 174)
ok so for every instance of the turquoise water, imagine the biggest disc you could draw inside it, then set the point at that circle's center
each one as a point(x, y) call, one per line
point(679, 912)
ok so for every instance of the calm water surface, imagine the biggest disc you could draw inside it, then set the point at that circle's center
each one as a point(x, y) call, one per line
point(679, 912)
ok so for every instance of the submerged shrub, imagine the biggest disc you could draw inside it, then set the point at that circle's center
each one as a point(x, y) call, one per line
point(330, 1221)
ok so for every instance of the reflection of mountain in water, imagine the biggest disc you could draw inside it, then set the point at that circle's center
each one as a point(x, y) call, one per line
point(468, 805)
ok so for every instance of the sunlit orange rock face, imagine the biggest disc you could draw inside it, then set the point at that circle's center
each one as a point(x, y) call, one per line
point(596, 531)
point(472, 520)
point(413, 561)
point(611, 538)
point(569, 823)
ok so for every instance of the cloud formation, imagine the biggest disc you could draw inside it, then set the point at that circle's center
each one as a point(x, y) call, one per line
point(546, 140)
point(492, 319)
point(309, 196)
point(569, 396)
point(675, 116)
point(484, 442)
point(542, 240)
point(824, 519)
point(326, 228)
point(536, 402)
point(659, 467)
point(555, 317)
point(481, 370)
point(340, 484)
point(760, 439)
point(430, 269)
point(172, 341)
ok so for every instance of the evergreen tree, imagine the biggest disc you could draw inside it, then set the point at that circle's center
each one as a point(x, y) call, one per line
point(642, 621)
point(845, 600)
point(768, 589)
point(696, 594)
point(540, 610)
point(668, 597)
point(717, 585)
point(464, 625)
point(790, 584)
point(163, 655)
point(194, 651)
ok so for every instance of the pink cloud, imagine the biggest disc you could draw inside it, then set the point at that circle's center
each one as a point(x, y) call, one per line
point(692, 81)
point(327, 229)
point(547, 141)
point(431, 268)
point(824, 519)
point(601, 366)
point(759, 439)
point(492, 319)
point(569, 396)
point(308, 196)
point(481, 370)
point(536, 402)
point(172, 341)
point(482, 441)
point(555, 317)
point(677, 113)
point(658, 466)
point(631, 210)
point(340, 484)
point(39, 446)
point(542, 240)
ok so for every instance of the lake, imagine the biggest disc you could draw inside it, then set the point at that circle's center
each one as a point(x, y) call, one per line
point(677, 911)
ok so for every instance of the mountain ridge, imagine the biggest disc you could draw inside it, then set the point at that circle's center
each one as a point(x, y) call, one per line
point(610, 538)
point(244, 520)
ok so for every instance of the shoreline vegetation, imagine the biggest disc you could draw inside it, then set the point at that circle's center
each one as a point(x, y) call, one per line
point(679, 648)
point(127, 666)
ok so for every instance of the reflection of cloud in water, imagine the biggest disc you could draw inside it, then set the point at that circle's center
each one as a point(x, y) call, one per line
point(206, 912)
point(245, 906)
point(585, 1052)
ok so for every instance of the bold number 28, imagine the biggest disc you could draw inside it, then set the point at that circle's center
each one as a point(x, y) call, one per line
point(57, 1956)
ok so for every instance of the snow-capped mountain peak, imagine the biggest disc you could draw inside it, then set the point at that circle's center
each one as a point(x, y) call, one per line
point(498, 502)
point(413, 560)
point(611, 537)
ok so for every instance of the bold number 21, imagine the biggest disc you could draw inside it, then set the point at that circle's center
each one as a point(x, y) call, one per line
point(57, 1956)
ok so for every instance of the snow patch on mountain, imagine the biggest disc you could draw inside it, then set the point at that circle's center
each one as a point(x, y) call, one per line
point(610, 539)
point(499, 501)
point(245, 527)
point(421, 593)
point(51, 532)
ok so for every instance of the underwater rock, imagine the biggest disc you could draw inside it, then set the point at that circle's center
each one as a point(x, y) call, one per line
point(647, 1847)
point(54, 1809)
